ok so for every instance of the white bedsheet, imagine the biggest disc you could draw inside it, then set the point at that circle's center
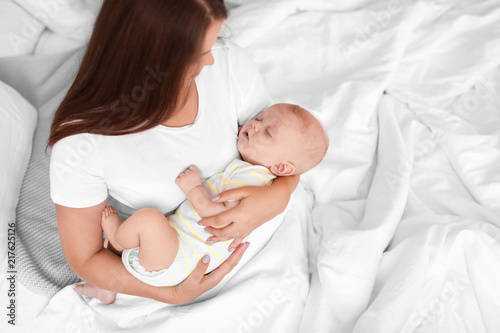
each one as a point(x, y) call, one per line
point(410, 93)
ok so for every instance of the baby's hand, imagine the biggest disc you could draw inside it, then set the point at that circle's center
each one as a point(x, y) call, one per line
point(189, 179)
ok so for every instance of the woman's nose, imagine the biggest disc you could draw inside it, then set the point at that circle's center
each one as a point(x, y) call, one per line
point(209, 59)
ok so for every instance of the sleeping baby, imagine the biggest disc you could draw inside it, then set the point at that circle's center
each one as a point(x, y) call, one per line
point(283, 140)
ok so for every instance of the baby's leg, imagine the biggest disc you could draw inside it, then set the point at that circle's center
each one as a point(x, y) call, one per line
point(149, 230)
point(110, 222)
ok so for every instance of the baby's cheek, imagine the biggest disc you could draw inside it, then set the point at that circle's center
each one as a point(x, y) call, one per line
point(259, 156)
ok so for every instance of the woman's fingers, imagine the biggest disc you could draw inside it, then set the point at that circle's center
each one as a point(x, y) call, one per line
point(227, 233)
point(219, 233)
point(198, 283)
point(192, 287)
point(198, 274)
point(232, 194)
point(208, 227)
point(214, 277)
point(237, 214)
point(237, 241)
point(201, 268)
point(223, 219)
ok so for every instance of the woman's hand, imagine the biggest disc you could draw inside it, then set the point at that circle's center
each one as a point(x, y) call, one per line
point(197, 283)
point(258, 204)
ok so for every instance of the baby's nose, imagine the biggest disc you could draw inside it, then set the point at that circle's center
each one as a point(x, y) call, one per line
point(256, 125)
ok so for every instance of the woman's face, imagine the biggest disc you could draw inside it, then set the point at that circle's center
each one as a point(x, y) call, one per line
point(206, 57)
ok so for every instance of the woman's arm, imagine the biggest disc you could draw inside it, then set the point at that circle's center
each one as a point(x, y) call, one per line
point(258, 204)
point(81, 239)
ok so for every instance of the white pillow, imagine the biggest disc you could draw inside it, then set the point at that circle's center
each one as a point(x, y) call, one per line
point(19, 119)
point(19, 30)
point(69, 18)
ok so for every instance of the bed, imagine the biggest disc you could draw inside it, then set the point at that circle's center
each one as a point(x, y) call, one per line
point(397, 230)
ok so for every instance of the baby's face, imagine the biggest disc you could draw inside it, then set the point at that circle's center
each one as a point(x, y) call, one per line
point(271, 138)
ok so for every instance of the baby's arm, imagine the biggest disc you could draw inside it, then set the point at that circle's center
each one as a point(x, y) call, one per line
point(190, 183)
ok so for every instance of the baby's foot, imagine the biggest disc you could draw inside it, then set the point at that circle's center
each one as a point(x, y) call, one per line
point(105, 296)
point(110, 223)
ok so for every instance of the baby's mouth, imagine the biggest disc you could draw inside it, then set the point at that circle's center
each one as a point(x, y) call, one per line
point(245, 134)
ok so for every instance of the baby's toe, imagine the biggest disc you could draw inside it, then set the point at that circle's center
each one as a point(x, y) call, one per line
point(107, 210)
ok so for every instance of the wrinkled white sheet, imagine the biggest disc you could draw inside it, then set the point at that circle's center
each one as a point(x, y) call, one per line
point(423, 158)
point(410, 93)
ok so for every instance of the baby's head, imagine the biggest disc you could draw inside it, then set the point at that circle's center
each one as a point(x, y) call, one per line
point(285, 138)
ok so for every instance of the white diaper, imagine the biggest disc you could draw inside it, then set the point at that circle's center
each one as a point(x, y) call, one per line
point(171, 276)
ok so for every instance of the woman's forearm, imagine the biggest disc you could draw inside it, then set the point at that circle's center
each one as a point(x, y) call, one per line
point(80, 233)
point(106, 270)
point(289, 183)
point(284, 187)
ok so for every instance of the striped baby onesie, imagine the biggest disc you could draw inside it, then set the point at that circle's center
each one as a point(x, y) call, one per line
point(191, 236)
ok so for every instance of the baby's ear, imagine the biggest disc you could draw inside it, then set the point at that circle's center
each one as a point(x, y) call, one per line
point(283, 169)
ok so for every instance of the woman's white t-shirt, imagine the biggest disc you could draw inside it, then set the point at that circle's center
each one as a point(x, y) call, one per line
point(139, 170)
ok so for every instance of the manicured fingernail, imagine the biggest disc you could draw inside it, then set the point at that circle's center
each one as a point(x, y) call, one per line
point(199, 223)
point(206, 230)
point(210, 243)
point(206, 258)
point(215, 198)
point(231, 249)
point(245, 246)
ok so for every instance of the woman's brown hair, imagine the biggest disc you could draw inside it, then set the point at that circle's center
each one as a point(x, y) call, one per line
point(131, 76)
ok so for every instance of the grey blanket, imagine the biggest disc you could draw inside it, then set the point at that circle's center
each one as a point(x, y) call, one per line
point(43, 80)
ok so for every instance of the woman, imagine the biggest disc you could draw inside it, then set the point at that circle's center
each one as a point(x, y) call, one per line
point(141, 110)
